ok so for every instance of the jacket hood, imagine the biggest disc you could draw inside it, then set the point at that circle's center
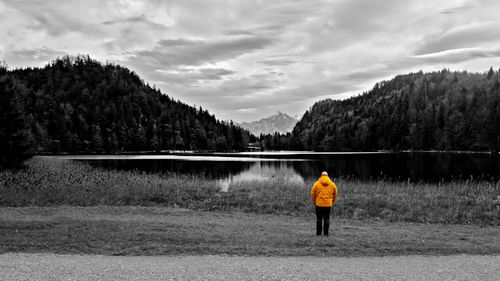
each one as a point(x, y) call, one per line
point(324, 180)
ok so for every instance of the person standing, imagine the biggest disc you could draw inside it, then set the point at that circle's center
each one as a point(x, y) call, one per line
point(323, 195)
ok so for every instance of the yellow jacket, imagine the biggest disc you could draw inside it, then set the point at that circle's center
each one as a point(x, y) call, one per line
point(324, 192)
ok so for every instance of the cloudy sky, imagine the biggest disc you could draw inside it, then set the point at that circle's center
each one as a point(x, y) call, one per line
point(244, 60)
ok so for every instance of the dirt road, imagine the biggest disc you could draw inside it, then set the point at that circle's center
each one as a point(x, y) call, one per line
point(26, 266)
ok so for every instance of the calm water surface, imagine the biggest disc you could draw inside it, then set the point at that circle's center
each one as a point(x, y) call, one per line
point(228, 168)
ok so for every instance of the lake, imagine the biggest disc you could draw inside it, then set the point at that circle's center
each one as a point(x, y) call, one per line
point(300, 166)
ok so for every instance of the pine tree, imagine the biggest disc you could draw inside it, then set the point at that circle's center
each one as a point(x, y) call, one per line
point(15, 138)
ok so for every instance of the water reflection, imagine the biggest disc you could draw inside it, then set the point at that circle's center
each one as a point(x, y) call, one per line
point(263, 172)
point(421, 166)
point(232, 168)
point(209, 169)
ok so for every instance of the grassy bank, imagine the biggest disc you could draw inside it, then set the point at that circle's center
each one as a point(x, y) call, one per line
point(135, 230)
point(52, 182)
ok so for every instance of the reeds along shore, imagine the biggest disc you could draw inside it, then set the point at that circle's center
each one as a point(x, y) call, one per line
point(52, 182)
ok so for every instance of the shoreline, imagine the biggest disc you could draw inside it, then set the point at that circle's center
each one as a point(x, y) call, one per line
point(54, 182)
point(265, 152)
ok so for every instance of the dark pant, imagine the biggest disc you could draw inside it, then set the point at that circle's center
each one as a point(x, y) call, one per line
point(322, 215)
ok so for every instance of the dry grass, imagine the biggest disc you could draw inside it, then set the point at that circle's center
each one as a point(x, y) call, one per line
point(453, 202)
point(52, 182)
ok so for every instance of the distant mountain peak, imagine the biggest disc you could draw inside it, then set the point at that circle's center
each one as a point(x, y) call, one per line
point(279, 122)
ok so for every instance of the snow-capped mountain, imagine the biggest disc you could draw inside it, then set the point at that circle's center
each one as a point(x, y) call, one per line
point(280, 122)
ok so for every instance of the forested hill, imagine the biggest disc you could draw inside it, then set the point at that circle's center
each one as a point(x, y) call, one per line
point(78, 105)
point(422, 111)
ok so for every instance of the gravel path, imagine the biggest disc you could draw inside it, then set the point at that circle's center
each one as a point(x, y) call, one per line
point(26, 266)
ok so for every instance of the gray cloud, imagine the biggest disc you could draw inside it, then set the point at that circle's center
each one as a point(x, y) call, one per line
point(456, 10)
point(458, 55)
point(196, 52)
point(192, 76)
point(279, 62)
point(56, 24)
point(215, 73)
point(142, 19)
point(238, 32)
point(40, 55)
point(176, 61)
point(177, 42)
point(466, 36)
point(48, 17)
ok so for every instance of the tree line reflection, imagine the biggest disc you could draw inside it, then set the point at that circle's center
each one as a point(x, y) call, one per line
point(416, 167)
